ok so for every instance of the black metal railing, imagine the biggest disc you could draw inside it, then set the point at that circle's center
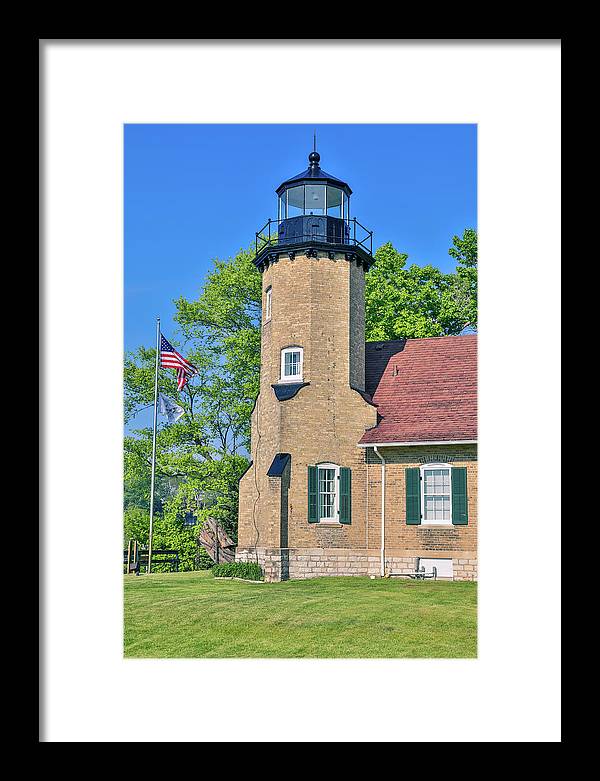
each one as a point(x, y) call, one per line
point(353, 234)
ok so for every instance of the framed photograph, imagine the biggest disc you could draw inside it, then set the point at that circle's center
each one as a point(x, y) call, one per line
point(292, 474)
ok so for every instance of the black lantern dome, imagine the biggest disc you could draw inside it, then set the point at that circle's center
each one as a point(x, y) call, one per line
point(313, 213)
point(313, 173)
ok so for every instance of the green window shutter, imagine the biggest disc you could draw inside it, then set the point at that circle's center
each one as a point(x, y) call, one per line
point(459, 496)
point(413, 495)
point(345, 495)
point(312, 494)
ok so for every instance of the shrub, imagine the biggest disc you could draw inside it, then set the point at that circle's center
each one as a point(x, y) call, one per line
point(249, 570)
point(202, 560)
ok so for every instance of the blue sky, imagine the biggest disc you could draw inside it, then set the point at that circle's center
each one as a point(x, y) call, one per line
point(197, 192)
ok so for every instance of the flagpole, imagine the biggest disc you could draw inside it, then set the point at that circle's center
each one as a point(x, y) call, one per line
point(149, 569)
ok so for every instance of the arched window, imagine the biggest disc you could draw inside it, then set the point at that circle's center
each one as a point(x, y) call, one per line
point(436, 493)
point(291, 364)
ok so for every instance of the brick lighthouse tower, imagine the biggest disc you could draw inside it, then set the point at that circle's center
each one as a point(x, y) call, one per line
point(302, 501)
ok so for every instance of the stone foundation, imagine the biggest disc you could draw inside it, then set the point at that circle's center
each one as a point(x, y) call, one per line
point(272, 561)
point(302, 563)
point(465, 569)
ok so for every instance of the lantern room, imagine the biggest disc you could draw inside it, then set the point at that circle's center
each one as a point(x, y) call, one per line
point(314, 192)
point(313, 210)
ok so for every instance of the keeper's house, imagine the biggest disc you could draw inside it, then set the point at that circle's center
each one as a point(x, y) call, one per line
point(364, 456)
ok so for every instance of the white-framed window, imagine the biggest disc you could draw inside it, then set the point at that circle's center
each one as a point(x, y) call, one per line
point(436, 493)
point(268, 299)
point(291, 364)
point(328, 493)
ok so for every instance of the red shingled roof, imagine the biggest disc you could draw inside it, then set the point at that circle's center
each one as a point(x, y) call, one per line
point(425, 389)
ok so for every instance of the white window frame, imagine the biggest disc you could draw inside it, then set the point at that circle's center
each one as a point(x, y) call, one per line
point(424, 521)
point(336, 504)
point(268, 303)
point(292, 377)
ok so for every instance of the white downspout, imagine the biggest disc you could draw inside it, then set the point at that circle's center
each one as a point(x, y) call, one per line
point(381, 458)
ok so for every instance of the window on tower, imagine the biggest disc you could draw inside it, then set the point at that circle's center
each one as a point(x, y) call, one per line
point(315, 199)
point(307, 199)
point(334, 202)
point(295, 201)
point(268, 297)
point(291, 364)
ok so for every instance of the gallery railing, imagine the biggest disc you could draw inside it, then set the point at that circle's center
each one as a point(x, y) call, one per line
point(352, 234)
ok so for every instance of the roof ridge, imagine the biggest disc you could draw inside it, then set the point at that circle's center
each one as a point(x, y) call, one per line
point(421, 338)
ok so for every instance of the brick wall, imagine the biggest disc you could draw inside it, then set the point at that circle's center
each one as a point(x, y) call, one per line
point(421, 540)
point(356, 345)
point(316, 304)
point(355, 549)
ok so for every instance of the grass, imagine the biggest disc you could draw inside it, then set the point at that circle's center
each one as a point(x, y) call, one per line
point(192, 614)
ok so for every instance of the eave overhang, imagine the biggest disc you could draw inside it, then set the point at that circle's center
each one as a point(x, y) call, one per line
point(316, 176)
point(422, 443)
point(273, 252)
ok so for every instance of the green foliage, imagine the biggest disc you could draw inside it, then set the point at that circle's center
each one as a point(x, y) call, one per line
point(168, 532)
point(249, 570)
point(226, 321)
point(137, 490)
point(203, 560)
point(461, 300)
point(464, 249)
point(204, 453)
point(401, 302)
point(136, 522)
point(418, 301)
point(175, 535)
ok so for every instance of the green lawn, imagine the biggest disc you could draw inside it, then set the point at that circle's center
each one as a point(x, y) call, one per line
point(192, 614)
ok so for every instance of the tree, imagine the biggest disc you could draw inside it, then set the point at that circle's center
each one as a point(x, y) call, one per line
point(421, 301)
point(401, 302)
point(461, 299)
point(205, 450)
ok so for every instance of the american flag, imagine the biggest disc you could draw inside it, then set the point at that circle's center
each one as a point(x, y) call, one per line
point(171, 359)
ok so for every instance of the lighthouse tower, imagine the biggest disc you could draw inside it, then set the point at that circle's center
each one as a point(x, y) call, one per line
point(303, 495)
